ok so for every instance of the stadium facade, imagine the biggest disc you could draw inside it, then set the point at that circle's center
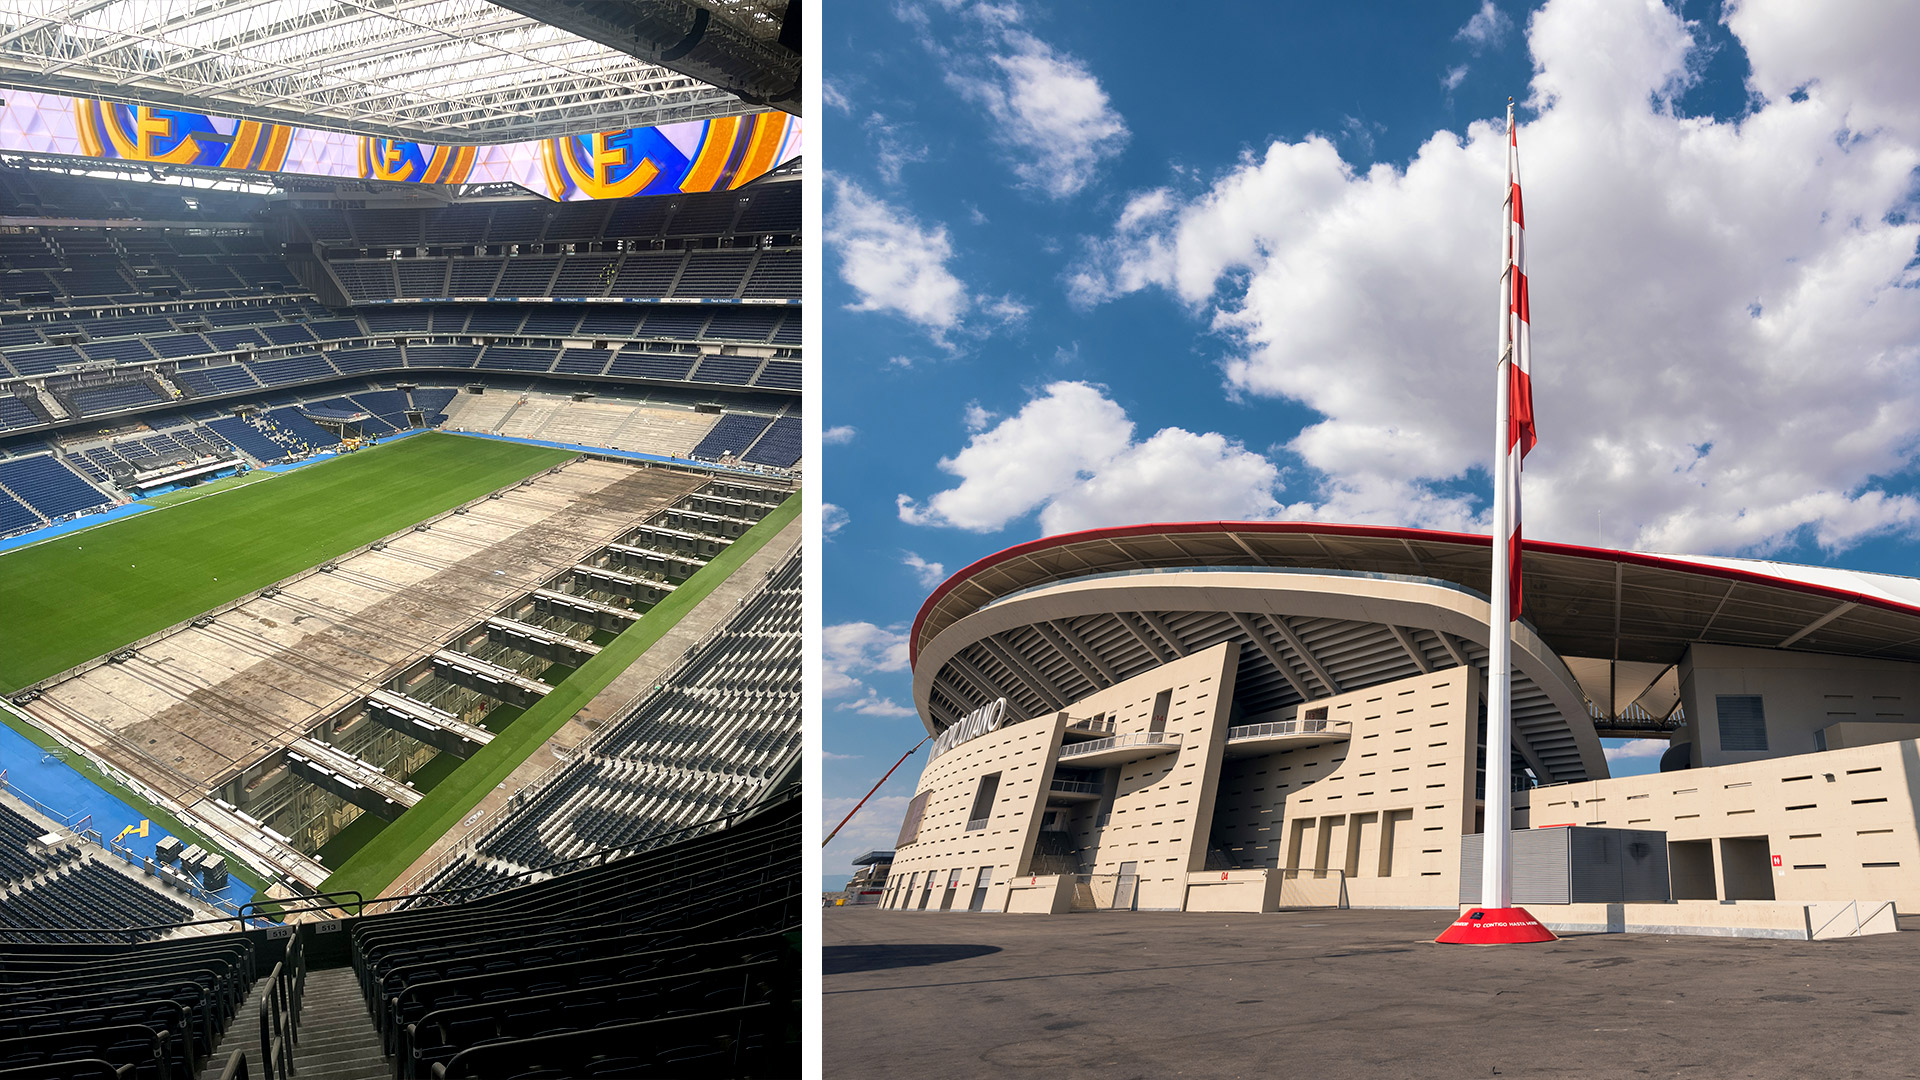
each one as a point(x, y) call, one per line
point(1225, 716)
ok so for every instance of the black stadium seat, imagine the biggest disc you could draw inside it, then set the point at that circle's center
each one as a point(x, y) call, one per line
point(677, 960)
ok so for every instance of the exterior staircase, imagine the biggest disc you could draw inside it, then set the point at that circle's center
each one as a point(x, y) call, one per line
point(337, 1038)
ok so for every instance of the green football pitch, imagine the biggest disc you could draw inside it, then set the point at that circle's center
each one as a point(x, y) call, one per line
point(86, 593)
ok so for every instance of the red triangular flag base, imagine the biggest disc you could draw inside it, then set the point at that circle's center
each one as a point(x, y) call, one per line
point(1495, 926)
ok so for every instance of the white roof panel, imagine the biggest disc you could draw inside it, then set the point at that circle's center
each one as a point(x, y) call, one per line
point(438, 71)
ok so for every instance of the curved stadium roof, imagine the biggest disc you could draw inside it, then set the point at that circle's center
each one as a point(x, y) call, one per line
point(1582, 600)
point(1017, 631)
point(436, 71)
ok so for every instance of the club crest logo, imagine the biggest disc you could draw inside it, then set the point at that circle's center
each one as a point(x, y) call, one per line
point(412, 162)
point(175, 137)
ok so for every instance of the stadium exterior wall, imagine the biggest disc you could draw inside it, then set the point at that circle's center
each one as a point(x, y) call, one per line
point(1161, 790)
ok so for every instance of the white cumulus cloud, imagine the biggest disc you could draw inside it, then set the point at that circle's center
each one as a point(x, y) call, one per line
point(1726, 316)
point(1045, 106)
point(875, 827)
point(851, 650)
point(839, 435)
point(893, 262)
point(1070, 452)
point(1637, 748)
point(928, 574)
point(832, 519)
point(1488, 27)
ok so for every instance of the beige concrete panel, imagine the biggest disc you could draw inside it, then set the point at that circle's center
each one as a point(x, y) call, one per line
point(1390, 602)
point(1045, 894)
point(1801, 694)
point(1022, 755)
point(1783, 920)
point(1842, 822)
point(1385, 809)
point(1161, 807)
point(1843, 735)
point(1234, 890)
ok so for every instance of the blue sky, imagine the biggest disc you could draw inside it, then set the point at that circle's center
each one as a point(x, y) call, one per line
point(1090, 265)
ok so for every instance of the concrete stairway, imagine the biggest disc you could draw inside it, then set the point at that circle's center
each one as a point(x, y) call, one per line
point(337, 1037)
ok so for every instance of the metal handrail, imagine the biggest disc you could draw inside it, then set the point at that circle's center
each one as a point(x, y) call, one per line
point(1076, 786)
point(1289, 727)
point(1115, 742)
point(293, 905)
point(258, 906)
point(591, 858)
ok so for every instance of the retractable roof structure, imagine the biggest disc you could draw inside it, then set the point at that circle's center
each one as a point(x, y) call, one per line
point(452, 72)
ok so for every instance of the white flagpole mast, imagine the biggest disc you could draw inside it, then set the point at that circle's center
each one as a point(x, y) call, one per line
point(1496, 877)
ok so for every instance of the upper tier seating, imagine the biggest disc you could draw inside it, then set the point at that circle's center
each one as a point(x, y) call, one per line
point(99, 400)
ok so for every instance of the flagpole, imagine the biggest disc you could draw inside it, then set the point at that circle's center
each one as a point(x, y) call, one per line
point(1495, 920)
point(1496, 878)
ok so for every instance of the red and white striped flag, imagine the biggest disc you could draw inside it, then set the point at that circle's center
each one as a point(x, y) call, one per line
point(1516, 347)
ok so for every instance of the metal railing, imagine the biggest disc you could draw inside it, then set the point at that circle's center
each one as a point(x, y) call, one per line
point(579, 862)
point(80, 829)
point(1118, 742)
point(1290, 727)
point(976, 824)
point(277, 910)
point(1074, 787)
point(280, 1011)
point(1105, 892)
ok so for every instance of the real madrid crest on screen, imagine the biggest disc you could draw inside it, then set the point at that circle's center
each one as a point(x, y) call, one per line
point(110, 129)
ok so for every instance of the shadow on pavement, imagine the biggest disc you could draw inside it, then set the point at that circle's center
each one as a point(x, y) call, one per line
point(846, 959)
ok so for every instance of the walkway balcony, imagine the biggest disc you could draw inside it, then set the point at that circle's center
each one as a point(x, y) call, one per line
point(1100, 753)
point(1249, 740)
point(1067, 791)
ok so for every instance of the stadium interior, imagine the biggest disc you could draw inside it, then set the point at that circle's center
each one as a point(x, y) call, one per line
point(502, 778)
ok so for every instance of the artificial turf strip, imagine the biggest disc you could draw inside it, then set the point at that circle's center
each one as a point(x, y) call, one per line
point(374, 867)
point(69, 600)
point(160, 818)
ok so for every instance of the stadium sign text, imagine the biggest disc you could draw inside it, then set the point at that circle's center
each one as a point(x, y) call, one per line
point(978, 722)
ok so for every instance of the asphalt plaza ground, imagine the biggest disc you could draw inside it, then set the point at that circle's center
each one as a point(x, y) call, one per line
point(1330, 994)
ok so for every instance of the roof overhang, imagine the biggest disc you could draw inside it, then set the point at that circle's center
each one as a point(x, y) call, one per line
point(1582, 601)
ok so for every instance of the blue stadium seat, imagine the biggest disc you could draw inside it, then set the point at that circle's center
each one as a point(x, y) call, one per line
point(728, 370)
point(732, 435)
point(100, 400)
point(14, 517)
point(224, 379)
point(780, 446)
point(48, 486)
point(247, 438)
point(14, 413)
point(780, 375)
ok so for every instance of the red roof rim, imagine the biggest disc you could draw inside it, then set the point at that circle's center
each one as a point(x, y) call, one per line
point(1381, 532)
